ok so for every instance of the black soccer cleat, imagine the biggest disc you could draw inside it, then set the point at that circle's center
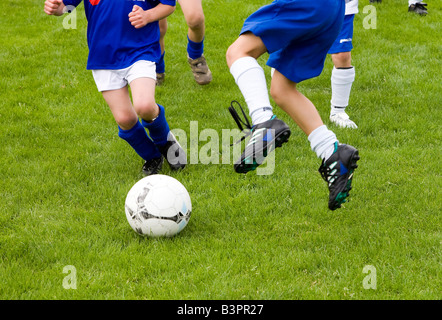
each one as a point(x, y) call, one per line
point(152, 166)
point(265, 137)
point(173, 153)
point(419, 8)
point(373, 1)
point(337, 171)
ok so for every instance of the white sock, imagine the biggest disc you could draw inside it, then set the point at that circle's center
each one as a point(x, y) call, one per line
point(322, 141)
point(341, 82)
point(250, 78)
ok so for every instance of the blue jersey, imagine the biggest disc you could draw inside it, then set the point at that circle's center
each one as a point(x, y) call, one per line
point(113, 42)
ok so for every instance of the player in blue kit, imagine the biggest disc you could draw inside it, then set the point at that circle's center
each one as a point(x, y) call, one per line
point(343, 73)
point(297, 35)
point(123, 40)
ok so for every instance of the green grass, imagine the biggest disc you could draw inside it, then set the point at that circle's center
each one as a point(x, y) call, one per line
point(64, 173)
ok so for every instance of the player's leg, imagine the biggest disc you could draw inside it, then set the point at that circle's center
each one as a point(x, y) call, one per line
point(131, 130)
point(302, 111)
point(268, 132)
point(295, 59)
point(195, 19)
point(241, 59)
point(338, 160)
point(153, 117)
point(143, 97)
point(342, 78)
point(161, 65)
point(343, 74)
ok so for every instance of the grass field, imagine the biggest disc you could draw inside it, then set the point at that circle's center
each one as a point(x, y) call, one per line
point(64, 173)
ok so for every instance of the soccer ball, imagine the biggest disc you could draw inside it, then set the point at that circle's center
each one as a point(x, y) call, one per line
point(158, 206)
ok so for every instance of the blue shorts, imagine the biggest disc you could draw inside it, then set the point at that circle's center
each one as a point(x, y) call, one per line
point(343, 42)
point(297, 34)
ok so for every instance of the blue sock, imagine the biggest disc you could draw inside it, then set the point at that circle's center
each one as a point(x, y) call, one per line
point(161, 65)
point(195, 49)
point(140, 141)
point(159, 128)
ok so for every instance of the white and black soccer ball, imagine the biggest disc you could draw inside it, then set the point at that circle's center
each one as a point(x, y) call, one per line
point(158, 206)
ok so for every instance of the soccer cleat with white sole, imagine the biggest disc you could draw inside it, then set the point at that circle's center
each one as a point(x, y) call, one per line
point(342, 120)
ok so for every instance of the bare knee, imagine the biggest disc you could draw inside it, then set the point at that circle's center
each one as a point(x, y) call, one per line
point(195, 21)
point(147, 110)
point(342, 59)
point(234, 52)
point(231, 54)
point(126, 120)
point(247, 45)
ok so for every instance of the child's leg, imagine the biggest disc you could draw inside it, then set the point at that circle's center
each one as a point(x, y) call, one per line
point(342, 60)
point(163, 31)
point(304, 113)
point(343, 76)
point(143, 96)
point(247, 45)
point(194, 15)
point(161, 65)
point(338, 160)
point(249, 76)
point(268, 132)
point(130, 129)
point(153, 117)
point(154, 120)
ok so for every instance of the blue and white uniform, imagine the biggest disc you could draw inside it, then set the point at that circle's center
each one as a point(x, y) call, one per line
point(297, 34)
point(113, 42)
point(344, 41)
point(118, 54)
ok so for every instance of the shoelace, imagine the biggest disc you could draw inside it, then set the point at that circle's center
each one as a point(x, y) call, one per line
point(240, 122)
